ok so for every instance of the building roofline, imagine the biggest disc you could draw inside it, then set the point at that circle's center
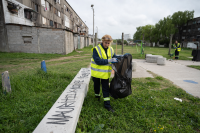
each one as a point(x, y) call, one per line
point(76, 13)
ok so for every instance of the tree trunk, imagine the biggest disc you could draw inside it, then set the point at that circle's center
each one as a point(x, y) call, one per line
point(170, 43)
point(157, 44)
point(151, 44)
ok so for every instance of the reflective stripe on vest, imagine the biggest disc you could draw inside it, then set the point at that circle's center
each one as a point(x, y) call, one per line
point(102, 71)
point(99, 49)
point(107, 99)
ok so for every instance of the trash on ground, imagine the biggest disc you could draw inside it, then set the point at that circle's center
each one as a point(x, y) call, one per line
point(120, 86)
point(178, 99)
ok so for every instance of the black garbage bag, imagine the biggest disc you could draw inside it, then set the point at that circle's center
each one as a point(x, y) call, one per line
point(120, 86)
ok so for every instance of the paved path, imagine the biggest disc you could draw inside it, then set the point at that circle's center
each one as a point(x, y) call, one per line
point(176, 71)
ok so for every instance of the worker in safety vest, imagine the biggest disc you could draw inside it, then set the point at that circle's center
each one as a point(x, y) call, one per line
point(177, 47)
point(103, 57)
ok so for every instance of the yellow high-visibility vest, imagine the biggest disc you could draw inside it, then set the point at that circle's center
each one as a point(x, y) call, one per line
point(178, 49)
point(102, 71)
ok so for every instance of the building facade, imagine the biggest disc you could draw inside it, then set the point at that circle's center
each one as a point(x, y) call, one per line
point(41, 26)
point(127, 36)
point(189, 32)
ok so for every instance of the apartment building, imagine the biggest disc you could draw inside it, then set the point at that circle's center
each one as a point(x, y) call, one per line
point(189, 32)
point(30, 25)
point(127, 36)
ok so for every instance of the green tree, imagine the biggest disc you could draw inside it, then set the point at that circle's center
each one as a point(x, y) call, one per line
point(147, 33)
point(119, 41)
point(125, 42)
point(174, 22)
point(138, 33)
point(114, 41)
point(157, 32)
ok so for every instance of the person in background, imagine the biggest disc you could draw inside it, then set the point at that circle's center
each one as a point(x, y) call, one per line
point(103, 57)
point(177, 48)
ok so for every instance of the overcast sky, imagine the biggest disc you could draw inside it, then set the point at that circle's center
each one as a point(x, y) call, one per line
point(116, 16)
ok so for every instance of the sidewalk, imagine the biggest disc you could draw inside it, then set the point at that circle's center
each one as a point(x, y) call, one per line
point(176, 71)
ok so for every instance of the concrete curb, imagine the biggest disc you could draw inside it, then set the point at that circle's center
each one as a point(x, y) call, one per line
point(64, 114)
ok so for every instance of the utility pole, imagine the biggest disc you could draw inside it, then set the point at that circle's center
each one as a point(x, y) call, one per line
point(93, 23)
point(122, 43)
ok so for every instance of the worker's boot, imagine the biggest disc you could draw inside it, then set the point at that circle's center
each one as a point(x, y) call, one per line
point(98, 97)
point(110, 109)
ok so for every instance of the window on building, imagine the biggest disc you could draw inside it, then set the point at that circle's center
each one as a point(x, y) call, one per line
point(51, 23)
point(55, 24)
point(13, 8)
point(57, 1)
point(43, 3)
point(190, 23)
point(62, 10)
point(36, 7)
point(47, 8)
point(184, 30)
point(66, 21)
point(64, 7)
point(55, 11)
point(58, 14)
point(71, 15)
point(44, 21)
point(189, 30)
point(62, 21)
point(198, 28)
point(27, 14)
point(183, 37)
point(50, 8)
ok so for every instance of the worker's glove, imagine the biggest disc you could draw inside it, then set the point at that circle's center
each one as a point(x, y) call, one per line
point(113, 60)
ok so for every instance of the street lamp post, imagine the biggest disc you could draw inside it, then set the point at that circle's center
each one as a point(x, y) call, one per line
point(93, 23)
point(97, 31)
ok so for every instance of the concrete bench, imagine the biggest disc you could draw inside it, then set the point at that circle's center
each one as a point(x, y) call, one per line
point(64, 114)
point(147, 55)
point(161, 61)
point(152, 58)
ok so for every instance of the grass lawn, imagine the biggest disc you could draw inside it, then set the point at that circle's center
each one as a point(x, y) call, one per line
point(194, 66)
point(150, 106)
point(183, 55)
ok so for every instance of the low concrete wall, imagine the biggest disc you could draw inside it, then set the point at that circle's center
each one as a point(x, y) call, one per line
point(51, 41)
point(29, 39)
point(22, 39)
point(69, 42)
point(81, 42)
point(75, 42)
point(64, 114)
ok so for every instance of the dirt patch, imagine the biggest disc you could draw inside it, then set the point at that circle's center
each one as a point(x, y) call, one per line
point(57, 59)
point(79, 51)
point(63, 58)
